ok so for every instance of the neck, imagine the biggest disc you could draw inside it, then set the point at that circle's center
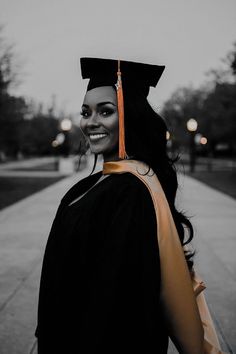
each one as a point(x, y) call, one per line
point(110, 158)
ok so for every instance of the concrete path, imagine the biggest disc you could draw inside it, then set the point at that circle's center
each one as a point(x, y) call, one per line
point(24, 229)
point(26, 163)
point(213, 215)
point(23, 235)
point(25, 168)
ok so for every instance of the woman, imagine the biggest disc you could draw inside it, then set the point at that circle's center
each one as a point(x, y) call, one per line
point(110, 283)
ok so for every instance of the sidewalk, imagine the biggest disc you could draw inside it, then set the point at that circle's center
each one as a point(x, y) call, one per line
point(24, 231)
point(25, 168)
point(213, 215)
point(23, 234)
point(31, 162)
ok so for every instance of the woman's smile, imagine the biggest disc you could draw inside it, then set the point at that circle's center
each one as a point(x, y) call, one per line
point(96, 137)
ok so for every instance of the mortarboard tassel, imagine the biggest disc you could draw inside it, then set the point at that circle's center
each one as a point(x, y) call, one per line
point(120, 103)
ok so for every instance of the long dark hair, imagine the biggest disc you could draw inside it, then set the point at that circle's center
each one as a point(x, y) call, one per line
point(145, 139)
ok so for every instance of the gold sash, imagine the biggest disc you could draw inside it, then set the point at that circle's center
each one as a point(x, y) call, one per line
point(182, 297)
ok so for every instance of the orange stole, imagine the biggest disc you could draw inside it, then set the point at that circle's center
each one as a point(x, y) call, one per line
point(176, 280)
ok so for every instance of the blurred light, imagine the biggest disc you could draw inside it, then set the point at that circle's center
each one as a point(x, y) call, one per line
point(55, 143)
point(192, 125)
point(203, 140)
point(60, 138)
point(197, 138)
point(66, 124)
point(167, 135)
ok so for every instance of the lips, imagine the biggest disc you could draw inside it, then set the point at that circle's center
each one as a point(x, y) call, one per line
point(97, 136)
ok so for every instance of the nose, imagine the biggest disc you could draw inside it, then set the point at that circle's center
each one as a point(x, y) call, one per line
point(93, 121)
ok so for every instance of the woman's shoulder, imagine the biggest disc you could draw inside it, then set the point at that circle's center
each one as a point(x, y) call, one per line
point(127, 195)
point(128, 180)
point(128, 185)
point(122, 185)
point(81, 186)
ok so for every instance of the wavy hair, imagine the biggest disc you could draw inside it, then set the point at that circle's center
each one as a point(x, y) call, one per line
point(145, 140)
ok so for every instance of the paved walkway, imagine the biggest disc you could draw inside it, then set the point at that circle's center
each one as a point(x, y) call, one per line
point(32, 167)
point(26, 163)
point(24, 231)
point(213, 215)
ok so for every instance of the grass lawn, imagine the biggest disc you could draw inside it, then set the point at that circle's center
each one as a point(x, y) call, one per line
point(225, 181)
point(13, 189)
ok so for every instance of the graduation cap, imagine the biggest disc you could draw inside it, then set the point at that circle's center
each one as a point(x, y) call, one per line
point(110, 72)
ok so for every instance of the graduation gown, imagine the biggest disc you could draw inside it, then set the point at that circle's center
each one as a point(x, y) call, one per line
point(100, 281)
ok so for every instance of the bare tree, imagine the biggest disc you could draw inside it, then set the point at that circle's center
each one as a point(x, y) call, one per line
point(9, 65)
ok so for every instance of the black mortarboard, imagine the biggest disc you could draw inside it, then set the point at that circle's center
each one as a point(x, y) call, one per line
point(103, 72)
point(108, 72)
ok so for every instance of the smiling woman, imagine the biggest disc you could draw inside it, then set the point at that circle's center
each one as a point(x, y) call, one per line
point(99, 121)
point(116, 277)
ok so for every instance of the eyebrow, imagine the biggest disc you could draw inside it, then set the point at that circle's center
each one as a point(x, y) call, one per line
point(100, 104)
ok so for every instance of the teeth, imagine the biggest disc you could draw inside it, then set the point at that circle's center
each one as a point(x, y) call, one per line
point(97, 136)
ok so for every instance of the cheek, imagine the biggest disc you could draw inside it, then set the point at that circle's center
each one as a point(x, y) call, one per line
point(114, 127)
point(116, 131)
point(82, 124)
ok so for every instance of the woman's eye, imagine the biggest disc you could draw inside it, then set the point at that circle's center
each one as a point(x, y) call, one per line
point(84, 114)
point(103, 112)
point(106, 112)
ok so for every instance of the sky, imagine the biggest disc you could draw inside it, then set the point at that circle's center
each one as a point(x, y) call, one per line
point(189, 37)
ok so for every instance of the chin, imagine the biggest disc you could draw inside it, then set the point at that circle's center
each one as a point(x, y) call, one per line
point(97, 150)
point(101, 149)
point(104, 152)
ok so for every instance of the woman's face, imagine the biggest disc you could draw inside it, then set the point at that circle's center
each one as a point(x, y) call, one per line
point(99, 121)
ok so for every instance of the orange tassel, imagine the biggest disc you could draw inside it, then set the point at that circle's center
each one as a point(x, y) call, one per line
point(120, 103)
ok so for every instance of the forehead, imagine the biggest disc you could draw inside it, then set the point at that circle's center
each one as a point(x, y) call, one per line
point(100, 94)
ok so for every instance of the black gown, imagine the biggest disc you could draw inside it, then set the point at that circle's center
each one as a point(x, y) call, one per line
point(100, 281)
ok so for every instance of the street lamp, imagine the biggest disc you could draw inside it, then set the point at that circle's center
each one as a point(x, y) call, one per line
point(66, 125)
point(203, 140)
point(169, 141)
point(192, 127)
point(167, 135)
point(56, 144)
